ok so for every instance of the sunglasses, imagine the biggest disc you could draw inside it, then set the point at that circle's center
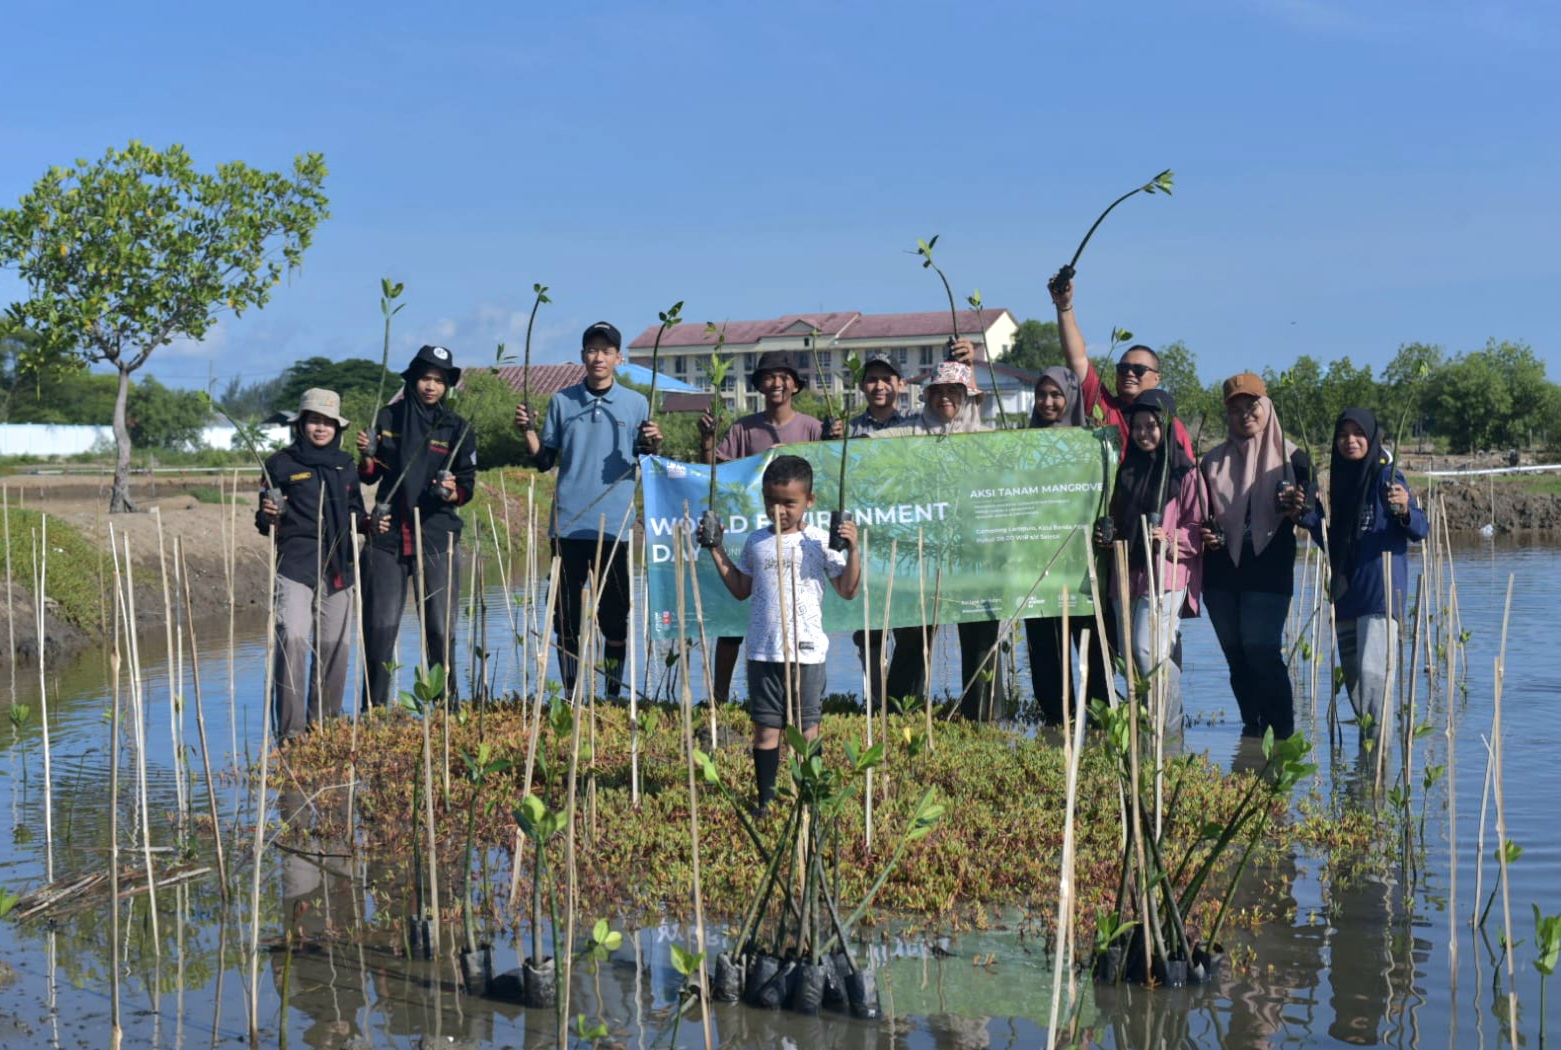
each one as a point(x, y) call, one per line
point(1139, 370)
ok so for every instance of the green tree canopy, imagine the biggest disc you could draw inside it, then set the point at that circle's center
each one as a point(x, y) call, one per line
point(163, 418)
point(354, 375)
point(127, 253)
point(1036, 346)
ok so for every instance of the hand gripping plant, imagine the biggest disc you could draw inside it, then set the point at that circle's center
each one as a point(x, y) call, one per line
point(924, 250)
point(716, 369)
point(839, 514)
point(1161, 183)
point(540, 290)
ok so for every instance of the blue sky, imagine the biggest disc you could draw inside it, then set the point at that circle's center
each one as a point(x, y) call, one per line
point(1350, 176)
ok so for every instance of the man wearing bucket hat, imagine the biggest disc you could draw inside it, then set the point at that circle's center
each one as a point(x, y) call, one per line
point(592, 433)
point(425, 466)
point(320, 508)
point(779, 423)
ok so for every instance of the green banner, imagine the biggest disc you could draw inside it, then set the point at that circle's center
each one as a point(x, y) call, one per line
point(970, 522)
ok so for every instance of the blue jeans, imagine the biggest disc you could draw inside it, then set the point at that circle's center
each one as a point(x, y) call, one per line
point(1251, 628)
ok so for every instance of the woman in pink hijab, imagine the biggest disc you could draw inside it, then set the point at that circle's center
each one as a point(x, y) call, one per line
point(1260, 486)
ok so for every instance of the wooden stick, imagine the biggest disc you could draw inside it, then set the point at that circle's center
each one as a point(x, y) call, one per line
point(867, 692)
point(200, 728)
point(1072, 747)
point(260, 800)
point(634, 708)
point(40, 589)
point(428, 743)
point(693, 794)
point(1501, 821)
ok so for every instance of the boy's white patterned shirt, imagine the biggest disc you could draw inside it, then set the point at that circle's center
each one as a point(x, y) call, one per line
point(808, 564)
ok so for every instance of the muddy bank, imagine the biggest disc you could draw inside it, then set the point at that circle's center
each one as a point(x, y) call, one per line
point(1469, 505)
point(169, 513)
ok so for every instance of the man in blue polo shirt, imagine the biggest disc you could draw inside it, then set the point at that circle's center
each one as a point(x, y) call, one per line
point(593, 432)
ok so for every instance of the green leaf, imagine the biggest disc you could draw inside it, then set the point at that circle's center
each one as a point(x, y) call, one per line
point(8, 901)
point(684, 961)
point(597, 1031)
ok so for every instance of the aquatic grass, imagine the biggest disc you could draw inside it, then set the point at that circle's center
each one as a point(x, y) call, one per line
point(73, 584)
point(1004, 793)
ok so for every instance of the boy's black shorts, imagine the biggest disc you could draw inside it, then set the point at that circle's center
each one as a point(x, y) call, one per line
point(767, 693)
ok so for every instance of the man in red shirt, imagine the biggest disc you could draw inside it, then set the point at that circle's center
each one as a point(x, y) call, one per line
point(1137, 371)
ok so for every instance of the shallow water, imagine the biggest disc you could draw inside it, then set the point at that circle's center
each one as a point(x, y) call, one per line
point(1368, 960)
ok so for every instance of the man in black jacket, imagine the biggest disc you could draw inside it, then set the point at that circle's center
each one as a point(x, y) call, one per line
point(424, 462)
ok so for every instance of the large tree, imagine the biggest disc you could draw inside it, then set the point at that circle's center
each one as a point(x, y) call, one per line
point(1037, 345)
point(128, 253)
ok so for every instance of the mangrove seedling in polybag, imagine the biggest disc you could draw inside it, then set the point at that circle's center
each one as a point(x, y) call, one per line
point(477, 960)
point(1161, 183)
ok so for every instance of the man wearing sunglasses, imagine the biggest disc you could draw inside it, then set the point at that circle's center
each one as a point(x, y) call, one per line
point(1137, 371)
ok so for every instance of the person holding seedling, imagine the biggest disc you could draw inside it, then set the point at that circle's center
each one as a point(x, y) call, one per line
point(424, 462)
point(881, 387)
point(779, 423)
point(1259, 487)
point(314, 504)
point(946, 397)
point(785, 578)
point(1159, 492)
point(1372, 513)
point(1060, 403)
point(1138, 371)
point(593, 432)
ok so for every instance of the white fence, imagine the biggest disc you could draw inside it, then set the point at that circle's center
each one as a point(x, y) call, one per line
point(42, 440)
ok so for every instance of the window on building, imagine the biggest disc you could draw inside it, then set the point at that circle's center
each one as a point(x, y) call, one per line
point(753, 359)
point(824, 360)
point(901, 356)
point(680, 364)
point(926, 357)
point(728, 384)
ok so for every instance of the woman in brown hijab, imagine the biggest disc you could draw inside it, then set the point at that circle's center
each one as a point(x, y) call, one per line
point(1259, 486)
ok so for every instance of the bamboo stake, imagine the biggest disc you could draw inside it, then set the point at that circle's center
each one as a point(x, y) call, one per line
point(1501, 821)
point(867, 694)
point(230, 564)
point(693, 794)
point(1452, 818)
point(260, 801)
point(117, 1031)
point(1383, 731)
point(883, 664)
point(200, 729)
point(138, 706)
point(634, 703)
point(1062, 962)
point(40, 586)
point(10, 591)
point(173, 677)
point(428, 742)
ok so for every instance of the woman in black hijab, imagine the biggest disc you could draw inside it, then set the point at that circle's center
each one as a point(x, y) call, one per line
point(1371, 512)
point(424, 461)
point(1058, 404)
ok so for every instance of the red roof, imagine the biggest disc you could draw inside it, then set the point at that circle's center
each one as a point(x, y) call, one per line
point(676, 401)
point(546, 380)
point(834, 324)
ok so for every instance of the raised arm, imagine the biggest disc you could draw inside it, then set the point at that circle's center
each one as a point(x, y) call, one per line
point(1074, 353)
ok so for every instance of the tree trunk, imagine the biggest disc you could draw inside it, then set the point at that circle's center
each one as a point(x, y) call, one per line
point(119, 497)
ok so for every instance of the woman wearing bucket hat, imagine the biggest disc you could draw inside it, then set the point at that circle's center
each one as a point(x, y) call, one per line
point(1259, 487)
point(425, 466)
point(320, 509)
point(946, 398)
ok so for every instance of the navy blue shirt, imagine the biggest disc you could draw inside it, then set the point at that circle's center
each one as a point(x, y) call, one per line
point(1363, 593)
point(591, 437)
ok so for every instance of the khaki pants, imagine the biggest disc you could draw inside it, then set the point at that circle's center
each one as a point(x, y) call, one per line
point(305, 694)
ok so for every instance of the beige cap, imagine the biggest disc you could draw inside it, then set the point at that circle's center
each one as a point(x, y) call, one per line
point(1245, 383)
point(324, 402)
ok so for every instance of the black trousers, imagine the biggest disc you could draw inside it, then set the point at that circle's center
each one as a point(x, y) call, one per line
point(981, 701)
point(907, 670)
point(386, 573)
point(576, 562)
point(1050, 653)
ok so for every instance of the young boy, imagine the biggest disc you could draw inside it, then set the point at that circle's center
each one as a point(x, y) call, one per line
point(777, 378)
point(786, 625)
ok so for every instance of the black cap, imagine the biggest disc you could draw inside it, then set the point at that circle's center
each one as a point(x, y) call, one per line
point(439, 358)
point(602, 330)
point(776, 361)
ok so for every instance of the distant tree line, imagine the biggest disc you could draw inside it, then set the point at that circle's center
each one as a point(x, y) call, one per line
point(1496, 397)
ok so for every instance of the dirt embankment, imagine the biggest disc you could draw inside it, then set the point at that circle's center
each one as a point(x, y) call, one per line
point(202, 531)
point(1524, 501)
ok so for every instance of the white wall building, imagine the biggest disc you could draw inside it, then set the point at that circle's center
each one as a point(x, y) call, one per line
point(915, 340)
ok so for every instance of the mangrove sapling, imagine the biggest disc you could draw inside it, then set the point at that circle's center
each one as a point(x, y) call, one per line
point(1547, 940)
point(541, 825)
point(540, 291)
point(974, 299)
point(1161, 183)
point(477, 960)
point(669, 318)
point(388, 294)
point(840, 513)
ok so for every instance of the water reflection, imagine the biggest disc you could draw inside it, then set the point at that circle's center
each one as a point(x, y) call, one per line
point(1362, 955)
